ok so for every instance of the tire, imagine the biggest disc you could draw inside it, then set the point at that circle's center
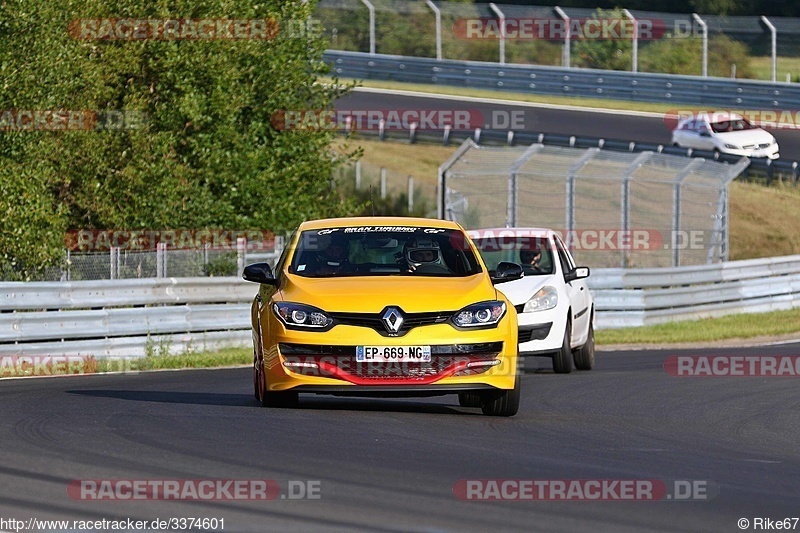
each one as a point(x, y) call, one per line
point(584, 356)
point(469, 399)
point(502, 403)
point(562, 359)
point(273, 399)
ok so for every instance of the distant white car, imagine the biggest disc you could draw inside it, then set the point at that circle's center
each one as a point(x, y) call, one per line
point(555, 310)
point(727, 133)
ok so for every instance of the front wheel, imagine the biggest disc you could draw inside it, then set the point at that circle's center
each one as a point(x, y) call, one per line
point(469, 399)
point(562, 360)
point(502, 403)
point(584, 356)
point(273, 399)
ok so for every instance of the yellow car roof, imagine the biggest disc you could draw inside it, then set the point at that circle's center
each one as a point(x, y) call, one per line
point(378, 221)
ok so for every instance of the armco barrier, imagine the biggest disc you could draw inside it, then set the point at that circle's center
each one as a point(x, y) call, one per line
point(639, 297)
point(612, 84)
point(120, 318)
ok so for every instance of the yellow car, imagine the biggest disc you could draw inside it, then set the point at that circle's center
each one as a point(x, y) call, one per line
point(388, 307)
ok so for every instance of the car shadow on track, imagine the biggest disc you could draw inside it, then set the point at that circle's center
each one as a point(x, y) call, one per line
point(320, 403)
point(192, 398)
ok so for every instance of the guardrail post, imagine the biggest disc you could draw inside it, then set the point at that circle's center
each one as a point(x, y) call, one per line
point(383, 183)
point(774, 53)
point(161, 260)
point(410, 194)
point(241, 253)
point(358, 175)
point(371, 25)
point(114, 262)
point(704, 27)
point(565, 50)
point(502, 18)
point(438, 14)
point(635, 39)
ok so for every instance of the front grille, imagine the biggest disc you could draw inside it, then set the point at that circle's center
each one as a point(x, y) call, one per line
point(373, 321)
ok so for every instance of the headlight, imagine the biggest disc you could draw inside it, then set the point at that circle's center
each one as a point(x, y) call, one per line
point(301, 316)
point(732, 147)
point(544, 299)
point(480, 315)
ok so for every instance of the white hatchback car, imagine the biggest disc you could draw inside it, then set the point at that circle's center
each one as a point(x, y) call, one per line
point(727, 133)
point(555, 311)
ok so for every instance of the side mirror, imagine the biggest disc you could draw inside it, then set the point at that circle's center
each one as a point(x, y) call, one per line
point(577, 273)
point(705, 134)
point(259, 273)
point(506, 272)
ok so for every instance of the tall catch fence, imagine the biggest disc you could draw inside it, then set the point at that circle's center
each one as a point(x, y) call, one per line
point(613, 209)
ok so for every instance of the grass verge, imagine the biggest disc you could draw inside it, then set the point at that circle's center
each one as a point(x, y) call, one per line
point(743, 326)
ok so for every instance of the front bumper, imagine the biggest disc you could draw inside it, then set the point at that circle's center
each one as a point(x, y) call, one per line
point(542, 332)
point(463, 360)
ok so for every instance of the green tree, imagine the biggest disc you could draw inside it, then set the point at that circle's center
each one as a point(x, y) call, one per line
point(206, 154)
point(609, 54)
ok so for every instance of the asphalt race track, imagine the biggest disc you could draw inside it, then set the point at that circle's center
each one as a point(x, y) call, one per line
point(391, 465)
point(610, 125)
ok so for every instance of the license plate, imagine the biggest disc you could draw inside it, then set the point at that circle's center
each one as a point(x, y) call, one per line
point(388, 354)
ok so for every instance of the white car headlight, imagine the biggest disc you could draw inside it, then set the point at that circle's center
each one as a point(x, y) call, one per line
point(544, 299)
point(732, 147)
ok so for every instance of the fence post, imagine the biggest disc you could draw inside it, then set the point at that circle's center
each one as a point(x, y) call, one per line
point(358, 175)
point(161, 260)
point(704, 27)
point(774, 48)
point(410, 194)
point(438, 14)
point(241, 252)
point(565, 52)
point(383, 183)
point(502, 18)
point(113, 262)
point(371, 25)
point(635, 40)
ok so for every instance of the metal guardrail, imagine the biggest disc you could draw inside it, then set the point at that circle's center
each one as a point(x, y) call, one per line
point(98, 318)
point(612, 84)
point(639, 297)
point(122, 318)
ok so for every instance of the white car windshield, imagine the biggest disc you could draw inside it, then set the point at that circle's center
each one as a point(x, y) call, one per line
point(725, 126)
point(533, 253)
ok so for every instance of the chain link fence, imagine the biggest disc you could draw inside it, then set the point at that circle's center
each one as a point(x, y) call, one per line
point(163, 262)
point(613, 209)
point(644, 41)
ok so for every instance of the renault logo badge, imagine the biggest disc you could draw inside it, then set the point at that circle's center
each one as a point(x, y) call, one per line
point(392, 319)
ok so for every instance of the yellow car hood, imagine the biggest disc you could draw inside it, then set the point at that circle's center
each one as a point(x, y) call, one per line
point(362, 294)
